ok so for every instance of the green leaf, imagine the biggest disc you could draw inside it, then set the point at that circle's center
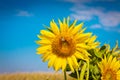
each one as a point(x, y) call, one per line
point(98, 54)
point(94, 78)
point(91, 51)
point(103, 48)
point(96, 70)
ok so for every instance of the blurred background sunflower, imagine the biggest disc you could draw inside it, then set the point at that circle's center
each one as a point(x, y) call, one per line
point(110, 68)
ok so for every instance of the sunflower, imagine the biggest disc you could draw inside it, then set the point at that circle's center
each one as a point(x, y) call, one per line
point(63, 44)
point(110, 68)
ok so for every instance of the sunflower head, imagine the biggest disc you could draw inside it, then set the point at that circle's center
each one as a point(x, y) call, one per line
point(64, 43)
point(110, 68)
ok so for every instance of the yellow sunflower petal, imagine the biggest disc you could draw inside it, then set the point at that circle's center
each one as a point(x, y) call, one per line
point(43, 49)
point(45, 41)
point(64, 21)
point(113, 62)
point(77, 28)
point(83, 36)
point(41, 37)
point(47, 33)
point(81, 45)
point(109, 60)
point(116, 64)
point(74, 61)
point(64, 63)
point(78, 55)
point(95, 44)
point(84, 52)
point(54, 27)
point(70, 62)
point(46, 56)
point(118, 72)
point(68, 20)
point(104, 60)
point(81, 31)
point(92, 39)
point(58, 63)
point(61, 26)
point(72, 26)
point(51, 61)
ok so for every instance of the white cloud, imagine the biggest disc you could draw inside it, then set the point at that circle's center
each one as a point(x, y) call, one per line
point(98, 26)
point(104, 18)
point(95, 26)
point(110, 19)
point(119, 30)
point(113, 29)
point(107, 19)
point(82, 17)
point(24, 13)
point(77, 1)
point(87, 12)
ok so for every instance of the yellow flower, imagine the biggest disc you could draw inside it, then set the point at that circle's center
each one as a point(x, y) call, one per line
point(64, 44)
point(110, 68)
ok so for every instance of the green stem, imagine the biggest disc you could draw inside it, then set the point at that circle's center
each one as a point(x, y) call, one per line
point(87, 77)
point(83, 72)
point(65, 76)
point(77, 74)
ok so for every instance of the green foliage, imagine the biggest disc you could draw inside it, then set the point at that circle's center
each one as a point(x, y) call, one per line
point(68, 68)
point(97, 55)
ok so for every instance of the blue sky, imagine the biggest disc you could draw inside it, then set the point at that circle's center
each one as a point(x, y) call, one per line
point(21, 21)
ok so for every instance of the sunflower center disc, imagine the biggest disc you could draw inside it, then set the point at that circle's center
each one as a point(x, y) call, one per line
point(63, 46)
point(110, 75)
